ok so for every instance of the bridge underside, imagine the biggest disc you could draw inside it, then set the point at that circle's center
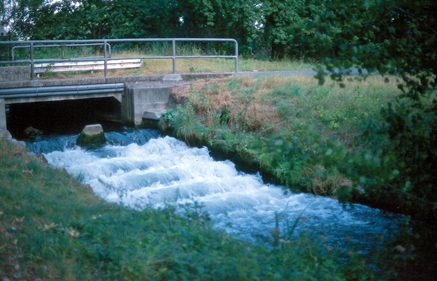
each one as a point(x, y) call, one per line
point(42, 98)
point(66, 116)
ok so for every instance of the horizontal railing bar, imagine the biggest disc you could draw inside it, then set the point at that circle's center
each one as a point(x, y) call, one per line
point(16, 61)
point(210, 57)
point(119, 40)
point(60, 45)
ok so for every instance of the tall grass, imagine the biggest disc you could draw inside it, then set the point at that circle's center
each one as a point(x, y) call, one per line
point(254, 108)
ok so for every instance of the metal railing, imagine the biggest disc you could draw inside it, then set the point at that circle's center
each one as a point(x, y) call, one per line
point(106, 50)
point(62, 46)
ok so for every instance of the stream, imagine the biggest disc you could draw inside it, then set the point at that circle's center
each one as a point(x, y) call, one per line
point(139, 168)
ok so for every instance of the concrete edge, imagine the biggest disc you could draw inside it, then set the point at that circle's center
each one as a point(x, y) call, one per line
point(103, 80)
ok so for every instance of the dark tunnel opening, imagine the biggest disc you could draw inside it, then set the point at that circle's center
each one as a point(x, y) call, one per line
point(63, 117)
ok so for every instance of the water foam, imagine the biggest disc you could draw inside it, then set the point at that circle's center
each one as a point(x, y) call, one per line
point(166, 171)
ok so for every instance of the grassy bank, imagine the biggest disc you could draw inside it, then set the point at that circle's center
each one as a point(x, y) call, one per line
point(239, 115)
point(52, 227)
point(330, 140)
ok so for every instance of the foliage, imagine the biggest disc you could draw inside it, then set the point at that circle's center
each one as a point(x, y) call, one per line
point(168, 116)
point(355, 34)
point(257, 25)
point(280, 16)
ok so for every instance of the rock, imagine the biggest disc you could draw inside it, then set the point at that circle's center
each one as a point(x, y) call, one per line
point(153, 115)
point(92, 136)
point(40, 157)
point(4, 134)
point(19, 144)
point(31, 131)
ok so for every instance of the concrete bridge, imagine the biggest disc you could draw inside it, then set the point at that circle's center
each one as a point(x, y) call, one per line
point(139, 97)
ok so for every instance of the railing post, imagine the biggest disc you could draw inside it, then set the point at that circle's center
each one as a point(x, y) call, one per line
point(63, 54)
point(174, 55)
point(109, 50)
point(236, 56)
point(32, 66)
point(105, 59)
point(12, 55)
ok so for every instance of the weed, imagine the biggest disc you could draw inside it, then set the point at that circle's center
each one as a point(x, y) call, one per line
point(168, 116)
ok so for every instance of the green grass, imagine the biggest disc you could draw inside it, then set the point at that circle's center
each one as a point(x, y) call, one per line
point(259, 107)
point(52, 228)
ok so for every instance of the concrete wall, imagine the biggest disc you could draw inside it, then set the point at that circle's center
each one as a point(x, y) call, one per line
point(2, 115)
point(141, 97)
point(100, 80)
point(4, 133)
point(14, 73)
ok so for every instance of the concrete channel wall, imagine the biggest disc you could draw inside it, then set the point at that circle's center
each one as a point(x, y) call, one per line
point(14, 73)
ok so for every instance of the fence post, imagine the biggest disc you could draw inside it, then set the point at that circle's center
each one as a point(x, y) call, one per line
point(109, 50)
point(174, 55)
point(32, 66)
point(105, 59)
point(236, 56)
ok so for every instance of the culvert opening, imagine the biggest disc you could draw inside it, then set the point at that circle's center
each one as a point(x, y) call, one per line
point(63, 117)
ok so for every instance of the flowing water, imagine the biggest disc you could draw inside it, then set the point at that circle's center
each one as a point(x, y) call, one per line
point(138, 168)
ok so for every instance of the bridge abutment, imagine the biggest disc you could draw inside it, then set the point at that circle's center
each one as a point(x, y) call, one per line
point(4, 133)
point(145, 100)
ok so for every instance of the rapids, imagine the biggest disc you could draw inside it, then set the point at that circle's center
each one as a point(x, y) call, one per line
point(138, 168)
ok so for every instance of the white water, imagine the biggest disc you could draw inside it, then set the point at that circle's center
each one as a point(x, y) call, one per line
point(165, 171)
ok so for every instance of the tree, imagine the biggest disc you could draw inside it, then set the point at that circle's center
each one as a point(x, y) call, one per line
point(394, 37)
point(220, 19)
point(282, 15)
point(40, 19)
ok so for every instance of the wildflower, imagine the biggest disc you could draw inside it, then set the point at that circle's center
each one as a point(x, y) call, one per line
point(73, 233)
point(50, 226)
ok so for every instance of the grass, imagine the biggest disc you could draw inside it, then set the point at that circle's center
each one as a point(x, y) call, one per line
point(52, 227)
point(244, 119)
point(236, 113)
